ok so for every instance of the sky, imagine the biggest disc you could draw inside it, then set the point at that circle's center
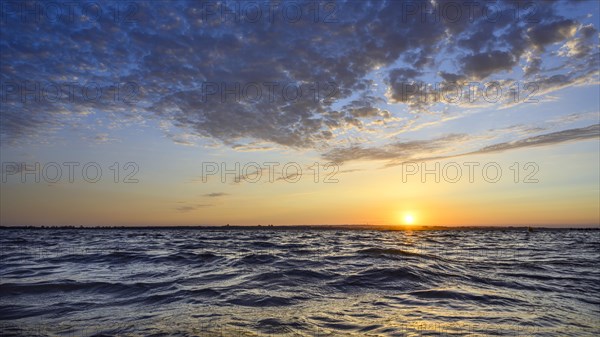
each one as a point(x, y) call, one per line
point(379, 112)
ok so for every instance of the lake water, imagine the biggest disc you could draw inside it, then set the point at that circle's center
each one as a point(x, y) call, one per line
point(299, 282)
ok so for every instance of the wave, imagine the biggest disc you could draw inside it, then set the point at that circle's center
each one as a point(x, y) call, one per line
point(390, 251)
point(305, 283)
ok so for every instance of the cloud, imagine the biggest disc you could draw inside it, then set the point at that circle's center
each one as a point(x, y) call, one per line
point(252, 147)
point(425, 150)
point(588, 31)
point(585, 133)
point(561, 120)
point(552, 32)
point(482, 65)
point(190, 208)
point(102, 138)
point(579, 47)
point(216, 194)
point(533, 66)
point(200, 74)
point(397, 150)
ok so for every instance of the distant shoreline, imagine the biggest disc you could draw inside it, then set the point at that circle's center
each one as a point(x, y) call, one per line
point(302, 227)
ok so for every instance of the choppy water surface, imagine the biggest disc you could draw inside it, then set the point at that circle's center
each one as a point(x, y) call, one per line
point(290, 282)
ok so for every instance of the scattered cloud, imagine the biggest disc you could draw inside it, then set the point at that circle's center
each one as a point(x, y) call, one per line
point(216, 194)
point(585, 133)
point(191, 208)
point(192, 74)
point(397, 150)
point(424, 150)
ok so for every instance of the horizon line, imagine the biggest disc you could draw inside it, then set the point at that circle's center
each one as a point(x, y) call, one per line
point(307, 226)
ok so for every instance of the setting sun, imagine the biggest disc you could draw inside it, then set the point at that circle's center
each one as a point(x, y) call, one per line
point(409, 219)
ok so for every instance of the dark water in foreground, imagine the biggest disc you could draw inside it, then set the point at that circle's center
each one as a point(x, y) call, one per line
point(275, 282)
